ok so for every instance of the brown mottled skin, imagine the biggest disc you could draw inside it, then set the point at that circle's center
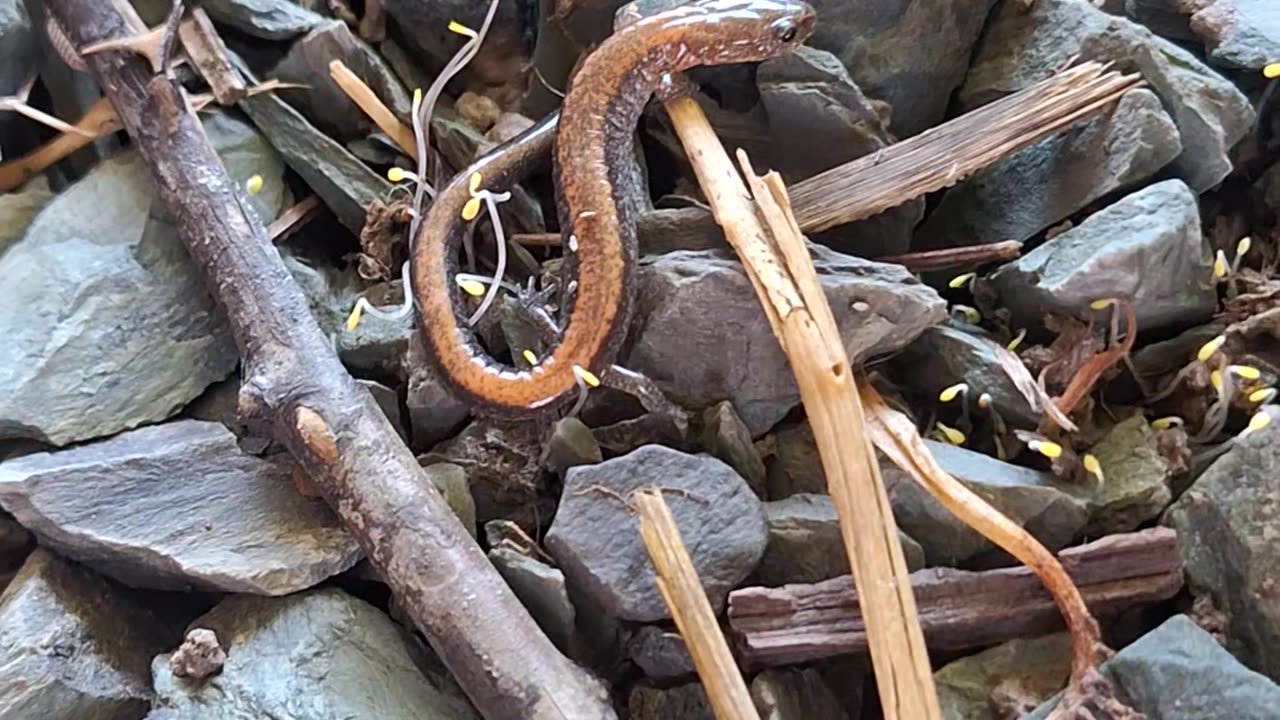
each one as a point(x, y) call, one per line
point(594, 179)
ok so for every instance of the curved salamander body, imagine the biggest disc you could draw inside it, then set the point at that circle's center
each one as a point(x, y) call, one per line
point(593, 145)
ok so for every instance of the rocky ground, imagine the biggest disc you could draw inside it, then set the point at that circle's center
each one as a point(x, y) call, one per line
point(161, 560)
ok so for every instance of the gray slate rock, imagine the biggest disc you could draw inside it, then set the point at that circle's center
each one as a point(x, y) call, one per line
point(660, 653)
point(317, 655)
point(73, 646)
point(176, 506)
point(1146, 247)
point(796, 694)
point(116, 328)
point(1021, 46)
point(870, 38)
point(683, 702)
point(541, 588)
point(1035, 188)
point(17, 59)
point(1053, 512)
point(701, 333)
point(1237, 33)
point(1136, 488)
point(945, 355)
point(571, 444)
point(20, 207)
point(426, 25)
point(266, 19)
point(1178, 672)
point(1160, 16)
point(1008, 680)
point(805, 544)
point(435, 413)
point(597, 544)
point(1228, 526)
point(725, 436)
point(503, 463)
point(324, 103)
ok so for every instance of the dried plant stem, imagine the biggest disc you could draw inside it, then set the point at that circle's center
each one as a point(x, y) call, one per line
point(956, 257)
point(787, 286)
point(682, 591)
point(364, 97)
point(99, 120)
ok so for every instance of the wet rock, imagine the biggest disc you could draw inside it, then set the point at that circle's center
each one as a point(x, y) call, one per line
point(312, 655)
point(541, 588)
point(387, 401)
point(1020, 46)
point(116, 328)
point(571, 444)
point(503, 463)
point(660, 653)
point(345, 184)
point(1052, 511)
point(869, 38)
point(266, 19)
point(596, 540)
point(1178, 672)
point(1008, 680)
point(795, 694)
point(323, 102)
point(453, 484)
point(199, 655)
point(1136, 488)
point(944, 355)
point(1228, 526)
point(700, 331)
point(175, 506)
point(434, 412)
point(805, 544)
point(1146, 247)
point(683, 702)
point(20, 207)
point(73, 645)
point(725, 436)
point(427, 34)
point(1237, 33)
point(1110, 152)
point(18, 53)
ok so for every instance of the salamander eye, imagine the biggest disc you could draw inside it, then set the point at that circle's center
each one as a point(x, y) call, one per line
point(786, 30)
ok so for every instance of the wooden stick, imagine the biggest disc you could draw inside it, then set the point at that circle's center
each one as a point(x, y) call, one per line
point(682, 591)
point(956, 257)
point(381, 115)
point(99, 120)
point(959, 610)
point(295, 387)
point(786, 284)
point(209, 55)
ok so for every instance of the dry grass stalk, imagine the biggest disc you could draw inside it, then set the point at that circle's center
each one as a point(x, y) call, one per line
point(380, 114)
point(895, 435)
point(98, 121)
point(957, 257)
point(292, 220)
point(784, 279)
point(682, 591)
point(874, 183)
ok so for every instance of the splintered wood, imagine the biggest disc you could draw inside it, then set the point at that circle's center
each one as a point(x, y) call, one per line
point(945, 155)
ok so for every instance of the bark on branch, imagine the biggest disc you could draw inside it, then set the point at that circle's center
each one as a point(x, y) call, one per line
point(295, 386)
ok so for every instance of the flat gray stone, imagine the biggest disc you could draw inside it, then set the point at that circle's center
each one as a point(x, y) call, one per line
point(1029, 191)
point(316, 655)
point(872, 38)
point(1146, 247)
point(541, 588)
point(727, 437)
point(266, 19)
point(116, 328)
point(1008, 680)
point(1136, 488)
point(596, 541)
point(945, 355)
point(1228, 526)
point(660, 653)
point(1178, 672)
point(73, 646)
point(324, 103)
point(805, 545)
point(1021, 46)
point(796, 694)
point(700, 331)
point(178, 506)
point(571, 445)
point(20, 207)
point(435, 413)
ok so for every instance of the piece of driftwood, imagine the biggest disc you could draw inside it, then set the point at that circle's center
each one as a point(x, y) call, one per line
point(295, 388)
point(959, 609)
point(874, 183)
